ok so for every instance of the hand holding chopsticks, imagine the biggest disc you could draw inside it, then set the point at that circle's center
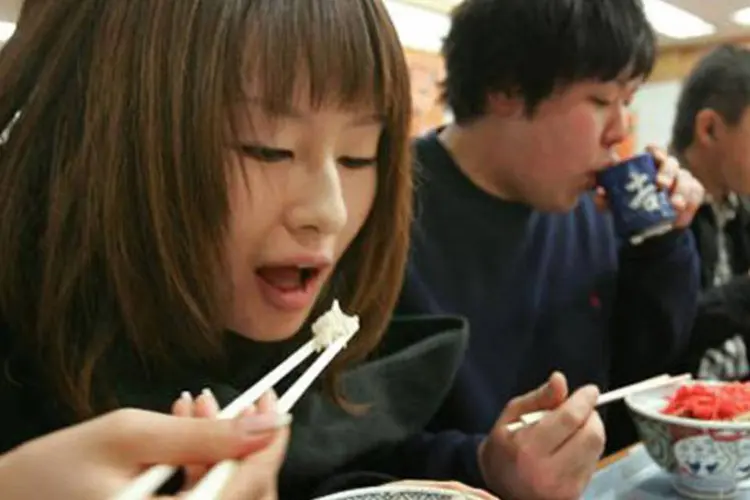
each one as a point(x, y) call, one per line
point(606, 398)
point(332, 331)
point(558, 451)
point(212, 483)
point(94, 459)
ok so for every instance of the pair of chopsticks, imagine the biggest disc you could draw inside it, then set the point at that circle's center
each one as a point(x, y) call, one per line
point(214, 481)
point(607, 397)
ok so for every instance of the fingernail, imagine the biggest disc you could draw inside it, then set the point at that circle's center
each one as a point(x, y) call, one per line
point(679, 201)
point(664, 179)
point(555, 375)
point(263, 422)
point(207, 393)
point(186, 396)
point(272, 395)
point(592, 391)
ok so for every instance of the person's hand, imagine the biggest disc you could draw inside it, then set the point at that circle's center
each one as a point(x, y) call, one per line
point(204, 406)
point(256, 478)
point(552, 459)
point(685, 191)
point(99, 458)
point(448, 485)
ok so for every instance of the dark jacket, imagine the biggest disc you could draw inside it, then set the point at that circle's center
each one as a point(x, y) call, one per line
point(723, 311)
point(737, 231)
point(403, 383)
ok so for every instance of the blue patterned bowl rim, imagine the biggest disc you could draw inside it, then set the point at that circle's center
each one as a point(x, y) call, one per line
point(399, 489)
point(638, 403)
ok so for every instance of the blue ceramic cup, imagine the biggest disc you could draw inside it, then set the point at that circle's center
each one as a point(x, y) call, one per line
point(640, 209)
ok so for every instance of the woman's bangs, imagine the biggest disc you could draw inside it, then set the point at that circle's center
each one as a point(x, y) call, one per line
point(336, 50)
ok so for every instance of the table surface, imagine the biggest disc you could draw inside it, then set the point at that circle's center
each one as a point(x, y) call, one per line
point(631, 475)
point(609, 460)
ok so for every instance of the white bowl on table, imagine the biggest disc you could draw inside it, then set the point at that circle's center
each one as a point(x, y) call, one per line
point(400, 492)
point(707, 459)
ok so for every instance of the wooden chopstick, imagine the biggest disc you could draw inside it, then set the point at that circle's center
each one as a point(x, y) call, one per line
point(150, 480)
point(607, 397)
point(212, 484)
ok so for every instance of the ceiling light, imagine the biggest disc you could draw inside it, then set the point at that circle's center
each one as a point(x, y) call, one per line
point(6, 30)
point(674, 22)
point(418, 28)
point(423, 29)
point(742, 16)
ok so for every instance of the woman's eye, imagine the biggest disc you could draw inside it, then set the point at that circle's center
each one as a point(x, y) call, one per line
point(266, 154)
point(351, 162)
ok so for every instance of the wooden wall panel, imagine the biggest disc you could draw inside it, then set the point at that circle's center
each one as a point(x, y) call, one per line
point(676, 62)
point(427, 72)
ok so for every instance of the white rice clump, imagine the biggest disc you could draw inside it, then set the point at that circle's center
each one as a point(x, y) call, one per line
point(333, 325)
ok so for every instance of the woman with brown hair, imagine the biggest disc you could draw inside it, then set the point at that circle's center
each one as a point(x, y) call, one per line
point(184, 185)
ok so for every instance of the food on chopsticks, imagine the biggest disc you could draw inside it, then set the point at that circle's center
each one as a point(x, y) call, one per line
point(331, 331)
point(333, 325)
point(725, 401)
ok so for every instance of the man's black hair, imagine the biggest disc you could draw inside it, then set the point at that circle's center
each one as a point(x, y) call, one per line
point(527, 48)
point(720, 81)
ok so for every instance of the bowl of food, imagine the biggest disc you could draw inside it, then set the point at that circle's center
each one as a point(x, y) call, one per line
point(699, 432)
point(397, 491)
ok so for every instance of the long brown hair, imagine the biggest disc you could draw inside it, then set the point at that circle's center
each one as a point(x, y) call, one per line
point(113, 207)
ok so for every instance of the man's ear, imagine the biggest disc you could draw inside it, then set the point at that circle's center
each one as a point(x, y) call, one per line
point(505, 104)
point(709, 127)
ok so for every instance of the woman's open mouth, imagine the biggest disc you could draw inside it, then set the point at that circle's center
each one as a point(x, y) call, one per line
point(289, 287)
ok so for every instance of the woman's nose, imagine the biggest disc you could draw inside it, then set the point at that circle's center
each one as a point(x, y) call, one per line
point(321, 207)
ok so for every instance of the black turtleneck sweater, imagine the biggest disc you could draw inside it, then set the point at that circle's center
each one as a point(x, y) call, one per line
point(403, 383)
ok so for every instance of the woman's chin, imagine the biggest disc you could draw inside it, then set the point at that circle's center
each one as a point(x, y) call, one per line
point(269, 332)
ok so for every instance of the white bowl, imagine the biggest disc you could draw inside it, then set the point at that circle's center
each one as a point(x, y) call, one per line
point(400, 492)
point(707, 459)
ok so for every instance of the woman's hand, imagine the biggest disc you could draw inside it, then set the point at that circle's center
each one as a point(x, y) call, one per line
point(256, 478)
point(98, 458)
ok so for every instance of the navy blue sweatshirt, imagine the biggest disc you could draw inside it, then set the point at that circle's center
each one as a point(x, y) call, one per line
point(541, 292)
